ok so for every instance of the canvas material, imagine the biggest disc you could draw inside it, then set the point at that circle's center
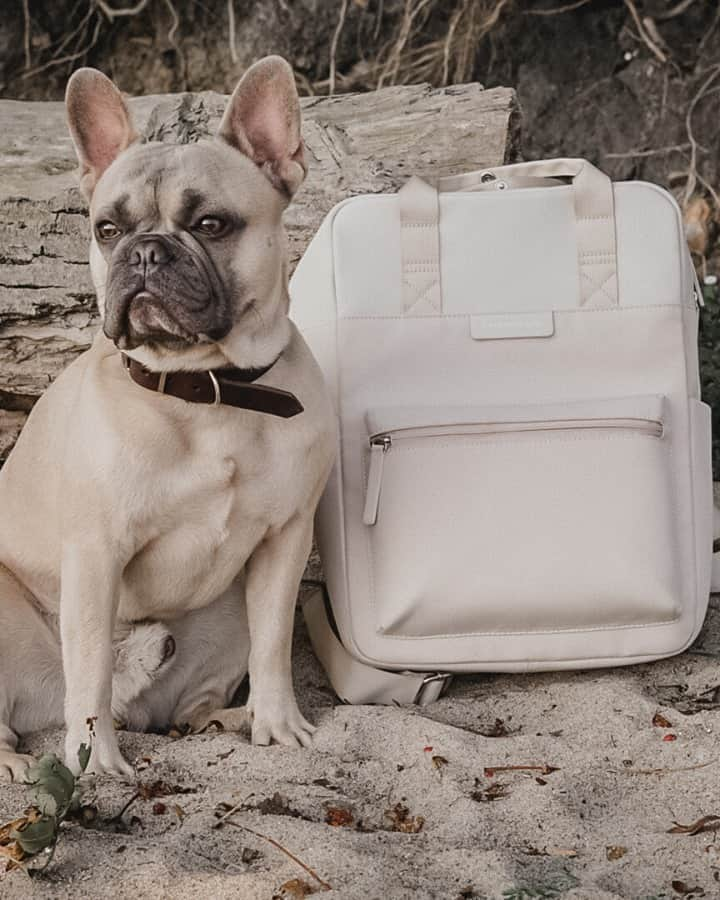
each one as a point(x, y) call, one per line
point(528, 548)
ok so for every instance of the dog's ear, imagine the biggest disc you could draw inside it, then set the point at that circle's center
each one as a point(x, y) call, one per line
point(99, 122)
point(262, 120)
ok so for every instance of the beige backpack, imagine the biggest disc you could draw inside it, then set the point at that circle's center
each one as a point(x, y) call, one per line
point(523, 478)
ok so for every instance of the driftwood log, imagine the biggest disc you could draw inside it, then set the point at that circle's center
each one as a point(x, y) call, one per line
point(358, 143)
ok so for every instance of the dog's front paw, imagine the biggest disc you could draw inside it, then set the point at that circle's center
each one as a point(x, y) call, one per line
point(105, 756)
point(13, 766)
point(280, 720)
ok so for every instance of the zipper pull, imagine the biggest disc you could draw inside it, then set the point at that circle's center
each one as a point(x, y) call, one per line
point(379, 446)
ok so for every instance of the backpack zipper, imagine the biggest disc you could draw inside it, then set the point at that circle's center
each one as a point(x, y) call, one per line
point(380, 444)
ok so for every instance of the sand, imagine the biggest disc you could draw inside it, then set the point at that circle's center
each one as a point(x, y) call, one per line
point(595, 827)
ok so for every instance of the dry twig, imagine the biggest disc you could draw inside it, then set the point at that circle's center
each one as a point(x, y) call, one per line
point(113, 13)
point(644, 33)
point(26, 33)
point(674, 11)
point(334, 45)
point(71, 57)
point(231, 30)
point(704, 765)
point(265, 837)
point(693, 176)
point(557, 10)
point(659, 151)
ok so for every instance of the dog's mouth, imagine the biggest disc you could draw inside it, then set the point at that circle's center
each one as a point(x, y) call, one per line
point(163, 294)
point(150, 320)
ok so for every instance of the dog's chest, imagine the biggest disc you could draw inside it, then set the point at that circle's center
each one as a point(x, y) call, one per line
point(205, 516)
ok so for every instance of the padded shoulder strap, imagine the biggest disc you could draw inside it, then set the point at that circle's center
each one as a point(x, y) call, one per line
point(353, 681)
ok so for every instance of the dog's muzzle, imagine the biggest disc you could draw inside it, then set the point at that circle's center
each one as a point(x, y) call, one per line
point(160, 290)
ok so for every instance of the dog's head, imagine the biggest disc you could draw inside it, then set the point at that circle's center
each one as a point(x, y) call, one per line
point(188, 250)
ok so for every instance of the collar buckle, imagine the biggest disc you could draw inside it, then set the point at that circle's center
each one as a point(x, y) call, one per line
point(216, 387)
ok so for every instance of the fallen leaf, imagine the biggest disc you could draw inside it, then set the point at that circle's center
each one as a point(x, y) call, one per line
point(295, 889)
point(498, 730)
point(36, 835)
point(277, 805)
point(669, 737)
point(561, 851)
point(249, 855)
point(159, 809)
point(706, 823)
point(149, 791)
point(338, 816)
point(399, 819)
point(439, 762)
point(53, 782)
point(179, 811)
point(697, 216)
point(179, 731)
point(549, 851)
point(86, 815)
point(83, 756)
point(659, 721)
point(615, 852)
point(12, 851)
point(679, 697)
point(681, 888)
point(31, 815)
point(495, 791)
point(489, 771)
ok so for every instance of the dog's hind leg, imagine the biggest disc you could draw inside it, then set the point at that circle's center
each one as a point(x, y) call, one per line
point(32, 685)
point(31, 679)
point(12, 764)
point(146, 650)
point(210, 663)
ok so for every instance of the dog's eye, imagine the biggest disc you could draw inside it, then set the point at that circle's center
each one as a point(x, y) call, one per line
point(106, 231)
point(211, 226)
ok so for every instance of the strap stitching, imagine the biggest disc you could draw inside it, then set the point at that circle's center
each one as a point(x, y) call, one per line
point(409, 307)
point(574, 309)
point(598, 289)
point(420, 297)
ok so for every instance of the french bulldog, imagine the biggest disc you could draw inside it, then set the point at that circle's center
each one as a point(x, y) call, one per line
point(151, 546)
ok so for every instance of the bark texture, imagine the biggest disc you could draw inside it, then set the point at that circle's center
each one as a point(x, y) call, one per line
point(357, 143)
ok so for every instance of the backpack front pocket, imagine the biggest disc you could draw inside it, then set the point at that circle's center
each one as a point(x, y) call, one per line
point(552, 517)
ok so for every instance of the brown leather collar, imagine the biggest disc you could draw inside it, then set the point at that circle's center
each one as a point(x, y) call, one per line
point(230, 386)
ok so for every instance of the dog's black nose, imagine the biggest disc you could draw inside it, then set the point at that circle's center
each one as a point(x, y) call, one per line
point(150, 252)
